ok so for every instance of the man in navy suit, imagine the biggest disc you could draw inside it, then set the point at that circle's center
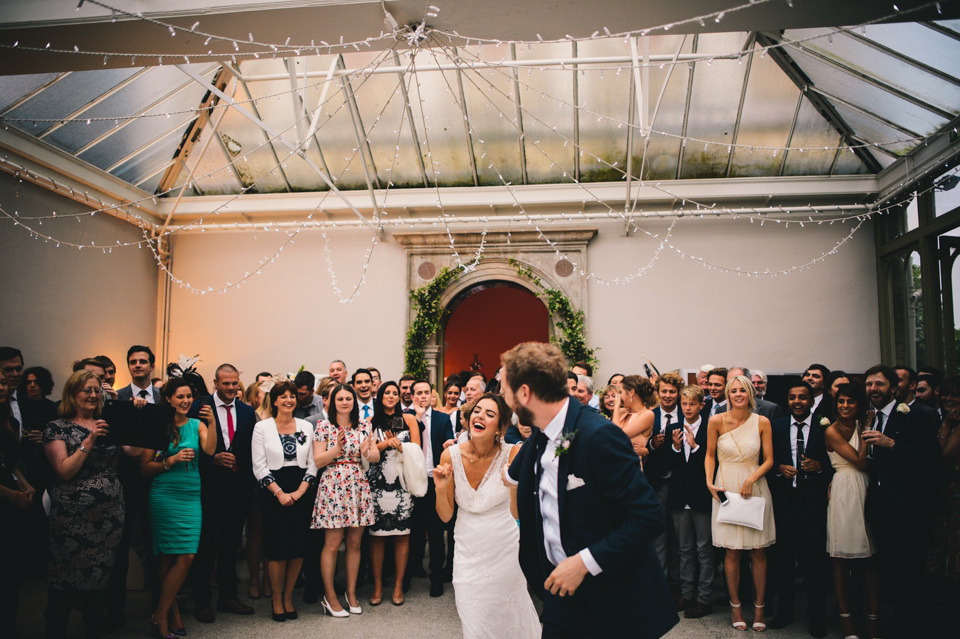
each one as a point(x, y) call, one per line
point(903, 464)
point(588, 517)
point(435, 429)
point(140, 363)
point(226, 484)
point(798, 481)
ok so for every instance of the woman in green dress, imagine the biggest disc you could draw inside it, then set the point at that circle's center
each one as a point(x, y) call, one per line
point(175, 514)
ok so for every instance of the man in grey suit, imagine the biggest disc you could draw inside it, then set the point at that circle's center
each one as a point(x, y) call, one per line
point(140, 362)
point(767, 409)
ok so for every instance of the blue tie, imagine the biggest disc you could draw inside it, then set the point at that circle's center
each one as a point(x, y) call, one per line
point(366, 412)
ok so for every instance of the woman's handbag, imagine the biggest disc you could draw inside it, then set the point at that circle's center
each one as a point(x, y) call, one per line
point(737, 510)
point(413, 469)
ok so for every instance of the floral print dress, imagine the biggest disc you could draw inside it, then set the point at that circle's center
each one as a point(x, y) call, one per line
point(343, 493)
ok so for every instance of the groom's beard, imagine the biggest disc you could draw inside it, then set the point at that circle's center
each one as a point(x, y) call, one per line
point(524, 414)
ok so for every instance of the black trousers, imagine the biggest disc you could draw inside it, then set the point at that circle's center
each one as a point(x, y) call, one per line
point(136, 517)
point(801, 547)
point(425, 521)
point(569, 618)
point(59, 605)
point(902, 546)
point(224, 513)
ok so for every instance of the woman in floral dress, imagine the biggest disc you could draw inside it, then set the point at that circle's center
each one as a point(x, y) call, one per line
point(344, 505)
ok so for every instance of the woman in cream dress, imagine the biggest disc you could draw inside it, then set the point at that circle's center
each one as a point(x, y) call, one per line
point(742, 442)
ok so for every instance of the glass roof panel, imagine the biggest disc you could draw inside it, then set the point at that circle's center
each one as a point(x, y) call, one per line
point(868, 97)
point(605, 94)
point(145, 162)
point(66, 96)
point(493, 117)
point(768, 109)
point(813, 131)
point(546, 97)
point(14, 87)
point(659, 155)
point(131, 99)
point(213, 175)
point(857, 55)
point(438, 120)
point(849, 164)
point(714, 103)
point(920, 43)
point(870, 129)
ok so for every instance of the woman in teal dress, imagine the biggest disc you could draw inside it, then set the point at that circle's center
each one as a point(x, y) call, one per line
point(175, 500)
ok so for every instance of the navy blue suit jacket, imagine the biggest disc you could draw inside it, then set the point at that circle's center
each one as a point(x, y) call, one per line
point(688, 486)
point(212, 475)
point(810, 495)
point(441, 430)
point(615, 514)
point(657, 464)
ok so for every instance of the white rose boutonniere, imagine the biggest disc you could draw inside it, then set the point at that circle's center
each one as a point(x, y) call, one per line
point(824, 421)
point(903, 408)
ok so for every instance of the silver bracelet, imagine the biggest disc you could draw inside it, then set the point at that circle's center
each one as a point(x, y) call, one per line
point(83, 449)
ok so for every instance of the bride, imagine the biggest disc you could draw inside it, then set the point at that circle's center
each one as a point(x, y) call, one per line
point(490, 589)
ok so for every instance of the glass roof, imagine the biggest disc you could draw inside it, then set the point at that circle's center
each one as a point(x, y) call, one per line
point(716, 105)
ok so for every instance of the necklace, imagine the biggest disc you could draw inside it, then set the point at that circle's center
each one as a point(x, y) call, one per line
point(476, 458)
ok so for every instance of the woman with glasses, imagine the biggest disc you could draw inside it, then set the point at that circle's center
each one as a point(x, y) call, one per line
point(175, 513)
point(86, 512)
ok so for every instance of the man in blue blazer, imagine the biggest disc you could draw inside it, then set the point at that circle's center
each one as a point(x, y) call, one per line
point(798, 481)
point(226, 484)
point(588, 517)
point(425, 519)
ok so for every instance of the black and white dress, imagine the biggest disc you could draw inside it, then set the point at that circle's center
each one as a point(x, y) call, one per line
point(393, 505)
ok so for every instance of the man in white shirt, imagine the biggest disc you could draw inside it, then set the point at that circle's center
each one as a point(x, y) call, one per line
point(362, 382)
point(716, 384)
point(11, 367)
point(406, 393)
point(816, 376)
point(140, 362)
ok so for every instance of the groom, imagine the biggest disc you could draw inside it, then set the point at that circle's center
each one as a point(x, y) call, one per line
point(588, 517)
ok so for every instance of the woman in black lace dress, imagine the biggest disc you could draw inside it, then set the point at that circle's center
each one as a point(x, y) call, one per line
point(393, 505)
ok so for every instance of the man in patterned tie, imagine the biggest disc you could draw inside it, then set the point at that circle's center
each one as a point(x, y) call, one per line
point(362, 382)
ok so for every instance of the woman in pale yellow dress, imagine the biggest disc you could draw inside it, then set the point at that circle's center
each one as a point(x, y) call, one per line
point(742, 442)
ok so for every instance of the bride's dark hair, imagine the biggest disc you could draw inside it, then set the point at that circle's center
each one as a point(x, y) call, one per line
point(505, 413)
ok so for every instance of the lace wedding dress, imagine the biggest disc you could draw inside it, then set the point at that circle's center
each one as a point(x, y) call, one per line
point(490, 589)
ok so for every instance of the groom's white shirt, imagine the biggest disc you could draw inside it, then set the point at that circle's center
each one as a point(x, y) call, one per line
point(549, 504)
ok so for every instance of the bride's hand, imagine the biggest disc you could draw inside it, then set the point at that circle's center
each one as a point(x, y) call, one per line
point(442, 475)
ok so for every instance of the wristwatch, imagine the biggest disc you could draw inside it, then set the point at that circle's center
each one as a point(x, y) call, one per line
point(83, 449)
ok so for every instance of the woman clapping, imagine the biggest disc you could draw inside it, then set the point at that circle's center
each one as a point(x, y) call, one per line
point(343, 505)
point(175, 512)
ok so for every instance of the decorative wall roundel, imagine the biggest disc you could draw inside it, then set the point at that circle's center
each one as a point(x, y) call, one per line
point(427, 270)
point(564, 267)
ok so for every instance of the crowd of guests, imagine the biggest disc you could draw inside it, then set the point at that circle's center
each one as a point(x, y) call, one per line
point(859, 477)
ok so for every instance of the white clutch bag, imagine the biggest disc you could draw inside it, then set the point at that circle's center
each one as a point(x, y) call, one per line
point(742, 512)
point(413, 469)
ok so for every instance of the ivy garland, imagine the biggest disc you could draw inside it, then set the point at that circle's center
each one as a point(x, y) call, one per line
point(573, 341)
point(429, 316)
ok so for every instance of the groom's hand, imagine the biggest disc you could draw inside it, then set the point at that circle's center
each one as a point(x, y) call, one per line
point(566, 577)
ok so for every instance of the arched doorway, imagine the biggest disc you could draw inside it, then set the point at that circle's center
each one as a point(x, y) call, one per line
point(488, 319)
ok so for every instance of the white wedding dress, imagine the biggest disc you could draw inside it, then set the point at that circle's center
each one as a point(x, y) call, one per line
point(489, 587)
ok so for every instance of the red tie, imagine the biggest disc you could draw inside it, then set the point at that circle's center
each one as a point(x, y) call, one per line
point(227, 407)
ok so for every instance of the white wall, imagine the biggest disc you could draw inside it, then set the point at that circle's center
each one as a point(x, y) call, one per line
point(58, 305)
point(679, 314)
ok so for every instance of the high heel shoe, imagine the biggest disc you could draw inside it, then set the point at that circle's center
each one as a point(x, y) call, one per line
point(279, 616)
point(354, 610)
point(738, 625)
point(844, 616)
point(873, 623)
point(758, 626)
point(333, 613)
point(180, 632)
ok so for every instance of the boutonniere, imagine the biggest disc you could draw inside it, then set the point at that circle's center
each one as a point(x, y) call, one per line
point(903, 408)
point(301, 437)
point(564, 446)
point(824, 421)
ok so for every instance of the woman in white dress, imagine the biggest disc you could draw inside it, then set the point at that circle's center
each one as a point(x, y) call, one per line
point(848, 537)
point(742, 443)
point(490, 589)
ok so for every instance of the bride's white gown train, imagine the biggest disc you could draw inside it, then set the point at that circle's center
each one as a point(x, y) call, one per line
point(489, 587)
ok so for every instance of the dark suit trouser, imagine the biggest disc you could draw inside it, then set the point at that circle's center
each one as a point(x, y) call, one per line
point(569, 618)
point(902, 545)
point(224, 512)
point(136, 515)
point(801, 543)
point(425, 521)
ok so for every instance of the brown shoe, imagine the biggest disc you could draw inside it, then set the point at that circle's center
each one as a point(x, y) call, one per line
point(204, 613)
point(698, 610)
point(234, 606)
point(682, 604)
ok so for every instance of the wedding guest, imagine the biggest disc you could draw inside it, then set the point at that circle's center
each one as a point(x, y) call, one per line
point(109, 370)
point(849, 539)
point(308, 403)
point(703, 380)
point(281, 453)
point(343, 506)
point(769, 410)
point(451, 396)
point(608, 400)
point(392, 503)
point(472, 389)
point(375, 377)
point(257, 396)
point(816, 376)
point(688, 503)
point(11, 367)
point(904, 461)
point(175, 511)
point(86, 513)
point(338, 371)
point(928, 390)
point(16, 501)
point(799, 480)
point(632, 414)
point(716, 386)
point(362, 382)
point(584, 389)
point(406, 393)
point(226, 481)
point(759, 381)
point(740, 450)
point(36, 410)
point(615, 379)
point(943, 560)
point(572, 379)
